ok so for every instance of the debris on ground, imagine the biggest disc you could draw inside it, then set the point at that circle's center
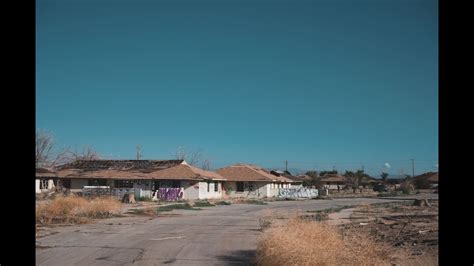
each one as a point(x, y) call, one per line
point(409, 227)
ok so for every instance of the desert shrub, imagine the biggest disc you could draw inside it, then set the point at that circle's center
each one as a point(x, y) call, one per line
point(75, 209)
point(264, 223)
point(406, 188)
point(303, 242)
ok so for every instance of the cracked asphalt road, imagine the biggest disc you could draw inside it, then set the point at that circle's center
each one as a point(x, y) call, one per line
point(220, 235)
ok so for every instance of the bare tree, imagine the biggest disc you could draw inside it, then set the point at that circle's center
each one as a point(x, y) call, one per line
point(47, 154)
point(44, 147)
point(87, 153)
point(206, 164)
point(139, 151)
point(61, 157)
point(193, 156)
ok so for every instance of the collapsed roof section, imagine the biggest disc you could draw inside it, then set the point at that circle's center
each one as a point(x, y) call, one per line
point(135, 170)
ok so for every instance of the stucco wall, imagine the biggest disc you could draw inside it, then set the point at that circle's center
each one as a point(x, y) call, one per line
point(49, 185)
point(203, 191)
point(191, 189)
point(260, 190)
point(333, 186)
point(38, 190)
point(272, 189)
point(296, 185)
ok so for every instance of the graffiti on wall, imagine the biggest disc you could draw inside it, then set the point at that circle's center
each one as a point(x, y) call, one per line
point(168, 194)
point(301, 192)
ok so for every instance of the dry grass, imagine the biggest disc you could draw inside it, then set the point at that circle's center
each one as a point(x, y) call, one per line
point(302, 242)
point(74, 209)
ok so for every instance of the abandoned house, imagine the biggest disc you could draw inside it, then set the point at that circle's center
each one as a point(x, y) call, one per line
point(430, 177)
point(46, 179)
point(297, 181)
point(245, 180)
point(433, 179)
point(164, 179)
point(368, 182)
point(334, 181)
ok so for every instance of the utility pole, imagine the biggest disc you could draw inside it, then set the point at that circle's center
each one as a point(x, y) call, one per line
point(334, 168)
point(413, 167)
point(139, 148)
point(286, 166)
point(362, 168)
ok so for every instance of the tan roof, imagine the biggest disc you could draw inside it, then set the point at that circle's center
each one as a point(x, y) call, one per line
point(304, 177)
point(367, 179)
point(248, 172)
point(333, 178)
point(101, 174)
point(433, 178)
point(184, 171)
point(429, 176)
point(178, 172)
point(45, 172)
point(124, 165)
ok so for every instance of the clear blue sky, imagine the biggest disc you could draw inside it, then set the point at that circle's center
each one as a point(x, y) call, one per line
point(317, 83)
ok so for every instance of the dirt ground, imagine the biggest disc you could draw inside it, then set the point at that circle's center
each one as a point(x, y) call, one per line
point(410, 230)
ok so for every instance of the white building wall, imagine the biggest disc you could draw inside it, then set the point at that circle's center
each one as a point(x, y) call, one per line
point(272, 189)
point(142, 188)
point(333, 186)
point(191, 189)
point(261, 190)
point(50, 184)
point(38, 190)
point(211, 194)
point(296, 185)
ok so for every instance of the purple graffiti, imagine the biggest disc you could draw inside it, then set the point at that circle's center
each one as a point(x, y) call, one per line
point(170, 194)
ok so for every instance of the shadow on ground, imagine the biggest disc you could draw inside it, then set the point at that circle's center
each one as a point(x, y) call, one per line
point(241, 257)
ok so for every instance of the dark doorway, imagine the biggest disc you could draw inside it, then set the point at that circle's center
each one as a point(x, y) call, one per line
point(66, 183)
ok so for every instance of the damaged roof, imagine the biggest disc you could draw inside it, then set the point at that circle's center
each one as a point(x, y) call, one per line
point(185, 171)
point(143, 165)
point(333, 178)
point(45, 172)
point(176, 169)
point(287, 176)
point(430, 176)
point(249, 172)
point(101, 174)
